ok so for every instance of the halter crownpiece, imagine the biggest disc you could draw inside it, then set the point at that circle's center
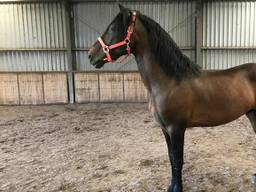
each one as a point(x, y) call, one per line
point(106, 48)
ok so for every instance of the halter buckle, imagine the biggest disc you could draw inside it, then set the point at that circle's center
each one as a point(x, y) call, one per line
point(105, 49)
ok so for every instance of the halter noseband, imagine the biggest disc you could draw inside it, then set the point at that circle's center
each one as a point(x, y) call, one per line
point(106, 48)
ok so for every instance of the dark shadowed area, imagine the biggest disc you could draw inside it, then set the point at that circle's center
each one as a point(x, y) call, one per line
point(116, 148)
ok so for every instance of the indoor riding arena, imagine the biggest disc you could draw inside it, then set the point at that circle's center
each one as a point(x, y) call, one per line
point(66, 126)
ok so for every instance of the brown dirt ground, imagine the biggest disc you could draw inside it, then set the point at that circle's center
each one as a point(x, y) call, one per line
point(116, 148)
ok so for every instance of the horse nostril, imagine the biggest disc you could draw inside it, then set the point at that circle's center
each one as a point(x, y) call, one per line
point(89, 56)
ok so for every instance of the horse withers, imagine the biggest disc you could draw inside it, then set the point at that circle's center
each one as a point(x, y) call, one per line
point(182, 95)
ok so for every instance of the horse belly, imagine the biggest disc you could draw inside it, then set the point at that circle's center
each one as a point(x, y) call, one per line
point(222, 108)
point(213, 117)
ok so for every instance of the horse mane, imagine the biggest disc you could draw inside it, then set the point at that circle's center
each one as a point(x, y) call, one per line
point(172, 61)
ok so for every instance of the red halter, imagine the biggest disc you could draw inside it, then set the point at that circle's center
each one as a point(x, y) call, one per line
point(106, 48)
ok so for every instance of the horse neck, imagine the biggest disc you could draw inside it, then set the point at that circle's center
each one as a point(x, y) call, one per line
point(153, 77)
point(175, 67)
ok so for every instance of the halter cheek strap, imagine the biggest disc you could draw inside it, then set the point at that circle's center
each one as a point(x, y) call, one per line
point(106, 48)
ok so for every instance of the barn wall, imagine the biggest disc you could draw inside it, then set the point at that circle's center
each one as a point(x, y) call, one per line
point(33, 37)
point(35, 40)
point(51, 88)
point(33, 88)
point(43, 46)
point(229, 33)
point(9, 89)
point(109, 87)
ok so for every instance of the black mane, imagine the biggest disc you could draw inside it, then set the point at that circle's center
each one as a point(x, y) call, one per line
point(172, 61)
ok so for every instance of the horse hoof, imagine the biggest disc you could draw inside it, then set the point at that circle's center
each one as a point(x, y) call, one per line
point(254, 179)
point(175, 188)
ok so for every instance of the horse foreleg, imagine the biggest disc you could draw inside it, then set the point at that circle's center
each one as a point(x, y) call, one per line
point(252, 117)
point(174, 136)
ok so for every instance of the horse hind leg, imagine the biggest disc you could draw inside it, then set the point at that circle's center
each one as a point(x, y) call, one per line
point(252, 117)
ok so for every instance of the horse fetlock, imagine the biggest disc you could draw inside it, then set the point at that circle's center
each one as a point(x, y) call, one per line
point(254, 179)
point(175, 187)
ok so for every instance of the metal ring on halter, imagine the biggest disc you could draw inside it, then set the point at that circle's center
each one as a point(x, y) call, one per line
point(105, 49)
point(128, 46)
point(127, 43)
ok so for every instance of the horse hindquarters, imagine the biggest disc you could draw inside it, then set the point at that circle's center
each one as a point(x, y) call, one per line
point(252, 117)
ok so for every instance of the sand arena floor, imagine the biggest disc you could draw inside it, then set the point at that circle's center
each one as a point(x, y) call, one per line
point(116, 148)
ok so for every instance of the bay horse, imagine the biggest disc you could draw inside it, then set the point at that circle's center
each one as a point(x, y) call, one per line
point(182, 95)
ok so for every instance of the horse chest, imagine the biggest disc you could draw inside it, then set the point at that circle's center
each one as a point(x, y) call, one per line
point(166, 112)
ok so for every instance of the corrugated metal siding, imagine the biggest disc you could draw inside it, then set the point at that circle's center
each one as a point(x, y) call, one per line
point(33, 26)
point(223, 59)
point(229, 25)
point(33, 61)
point(92, 18)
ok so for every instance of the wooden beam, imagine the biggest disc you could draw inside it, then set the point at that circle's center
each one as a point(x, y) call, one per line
point(199, 32)
point(69, 15)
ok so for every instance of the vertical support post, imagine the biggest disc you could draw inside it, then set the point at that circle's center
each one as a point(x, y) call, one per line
point(71, 61)
point(199, 32)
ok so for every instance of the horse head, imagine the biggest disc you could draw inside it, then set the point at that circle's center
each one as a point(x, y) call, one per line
point(116, 41)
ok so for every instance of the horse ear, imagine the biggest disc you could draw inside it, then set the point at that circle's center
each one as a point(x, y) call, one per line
point(121, 7)
point(124, 10)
